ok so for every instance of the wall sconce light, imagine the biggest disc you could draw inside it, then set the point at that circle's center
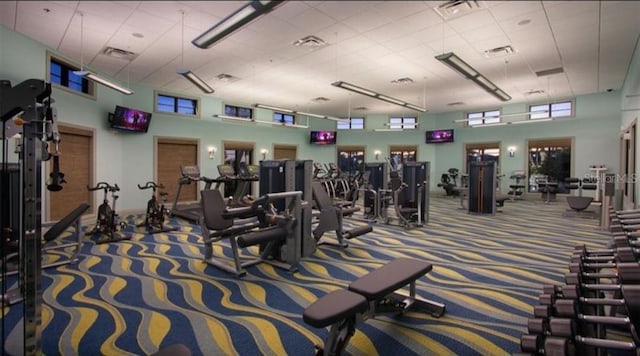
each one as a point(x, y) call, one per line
point(377, 153)
point(212, 152)
point(264, 153)
point(512, 151)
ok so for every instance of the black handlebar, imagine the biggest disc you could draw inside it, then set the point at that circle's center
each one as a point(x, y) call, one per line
point(105, 186)
point(151, 185)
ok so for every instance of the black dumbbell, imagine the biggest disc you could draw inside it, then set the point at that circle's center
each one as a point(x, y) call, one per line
point(625, 273)
point(567, 329)
point(621, 254)
point(626, 240)
point(533, 344)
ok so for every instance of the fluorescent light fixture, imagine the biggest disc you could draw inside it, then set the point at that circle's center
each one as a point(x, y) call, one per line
point(239, 18)
point(193, 78)
point(530, 121)
point(238, 118)
point(468, 72)
point(492, 124)
point(370, 93)
point(274, 108)
point(387, 130)
point(105, 82)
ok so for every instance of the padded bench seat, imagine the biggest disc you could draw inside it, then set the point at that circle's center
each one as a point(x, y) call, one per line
point(334, 307)
point(396, 274)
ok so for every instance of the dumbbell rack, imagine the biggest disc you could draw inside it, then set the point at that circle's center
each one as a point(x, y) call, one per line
point(574, 318)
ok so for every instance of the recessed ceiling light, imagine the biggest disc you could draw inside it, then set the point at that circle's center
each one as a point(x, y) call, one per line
point(524, 22)
point(499, 51)
point(137, 35)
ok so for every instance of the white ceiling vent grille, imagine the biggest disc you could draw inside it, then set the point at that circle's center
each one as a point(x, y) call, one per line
point(499, 51)
point(361, 108)
point(454, 8)
point(320, 99)
point(119, 53)
point(534, 92)
point(310, 41)
point(455, 103)
point(226, 78)
point(402, 81)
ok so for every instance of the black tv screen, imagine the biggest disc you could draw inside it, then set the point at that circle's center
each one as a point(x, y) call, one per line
point(131, 120)
point(439, 136)
point(323, 137)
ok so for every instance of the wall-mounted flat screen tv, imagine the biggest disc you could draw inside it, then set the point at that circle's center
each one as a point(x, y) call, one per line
point(132, 120)
point(439, 136)
point(323, 137)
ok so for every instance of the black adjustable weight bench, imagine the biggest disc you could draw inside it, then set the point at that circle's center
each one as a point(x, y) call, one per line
point(373, 293)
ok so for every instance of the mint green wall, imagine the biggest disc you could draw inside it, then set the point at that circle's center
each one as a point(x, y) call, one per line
point(128, 158)
point(595, 128)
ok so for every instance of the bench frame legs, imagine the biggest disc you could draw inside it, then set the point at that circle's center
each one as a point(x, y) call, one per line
point(397, 302)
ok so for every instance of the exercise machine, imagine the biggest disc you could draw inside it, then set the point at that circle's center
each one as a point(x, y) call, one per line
point(156, 212)
point(372, 294)
point(516, 190)
point(482, 191)
point(331, 216)
point(448, 182)
point(26, 109)
point(107, 220)
point(578, 205)
point(278, 234)
point(278, 176)
point(192, 211)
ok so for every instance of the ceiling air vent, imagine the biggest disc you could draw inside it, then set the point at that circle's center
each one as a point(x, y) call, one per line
point(456, 103)
point(360, 108)
point(310, 41)
point(534, 92)
point(119, 53)
point(499, 51)
point(455, 8)
point(226, 78)
point(402, 81)
point(320, 99)
point(551, 71)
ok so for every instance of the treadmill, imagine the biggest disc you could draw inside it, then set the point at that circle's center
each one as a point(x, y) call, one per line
point(191, 211)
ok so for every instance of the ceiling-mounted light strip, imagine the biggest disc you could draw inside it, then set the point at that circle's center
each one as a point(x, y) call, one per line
point(284, 110)
point(237, 118)
point(239, 18)
point(193, 78)
point(105, 82)
point(370, 93)
point(529, 121)
point(469, 72)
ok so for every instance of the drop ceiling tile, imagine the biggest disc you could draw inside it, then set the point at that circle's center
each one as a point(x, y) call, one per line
point(341, 10)
point(473, 20)
point(311, 21)
point(7, 13)
point(366, 21)
point(508, 9)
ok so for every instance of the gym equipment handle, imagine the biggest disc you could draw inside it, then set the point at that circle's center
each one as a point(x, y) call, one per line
point(104, 185)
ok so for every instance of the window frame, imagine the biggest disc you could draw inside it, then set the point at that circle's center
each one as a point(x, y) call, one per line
point(350, 123)
point(550, 112)
point(176, 97)
point(284, 115)
point(403, 123)
point(91, 92)
point(482, 117)
point(237, 111)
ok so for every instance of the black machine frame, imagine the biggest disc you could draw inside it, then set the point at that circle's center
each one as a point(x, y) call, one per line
point(31, 101)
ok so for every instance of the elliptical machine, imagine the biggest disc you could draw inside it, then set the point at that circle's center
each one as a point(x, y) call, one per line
point(156, 212)
point(107, 221)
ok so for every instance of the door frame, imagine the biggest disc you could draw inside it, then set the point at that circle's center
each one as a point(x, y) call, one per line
point(79, 130)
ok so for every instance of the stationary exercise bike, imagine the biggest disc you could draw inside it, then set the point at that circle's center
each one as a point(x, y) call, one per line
point(107, 221)
point(156, 212)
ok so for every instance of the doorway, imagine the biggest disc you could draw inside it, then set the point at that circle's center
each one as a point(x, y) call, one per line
point(285, 152)
point(238, 155)
point(76, 162)
point(172, 153)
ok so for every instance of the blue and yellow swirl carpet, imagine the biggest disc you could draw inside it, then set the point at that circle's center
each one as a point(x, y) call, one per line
point(140, 295)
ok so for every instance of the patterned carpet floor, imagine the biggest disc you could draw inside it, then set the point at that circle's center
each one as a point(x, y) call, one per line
point(137, 296)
